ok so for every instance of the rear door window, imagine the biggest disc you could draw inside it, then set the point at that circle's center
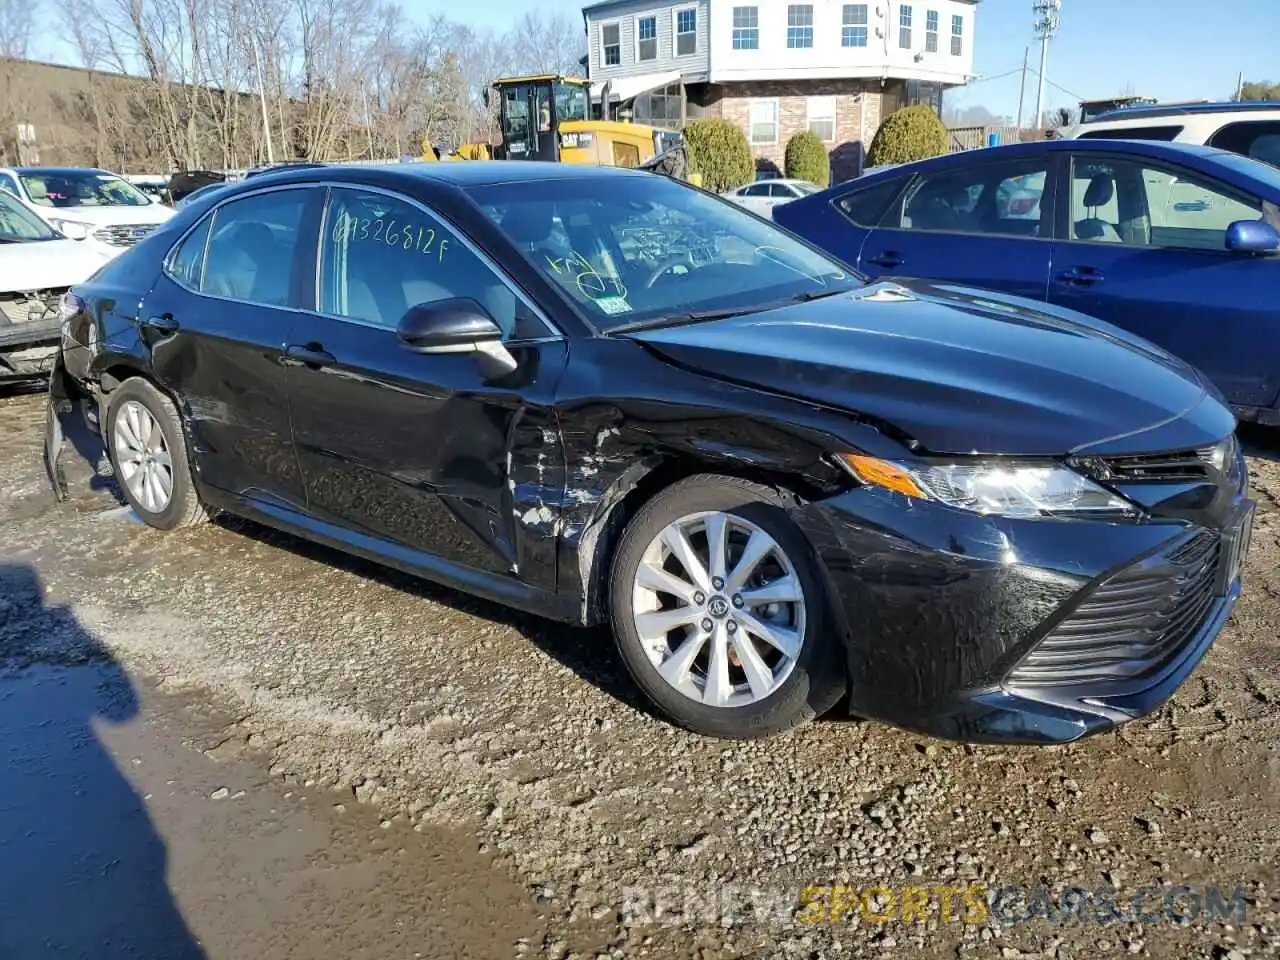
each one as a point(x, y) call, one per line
point(996, 199)
point(253, 247)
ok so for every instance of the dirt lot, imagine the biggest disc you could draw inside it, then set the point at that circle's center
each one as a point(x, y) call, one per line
point(453, 718)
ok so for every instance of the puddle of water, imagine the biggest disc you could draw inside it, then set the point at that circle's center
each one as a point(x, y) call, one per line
point(113, 846)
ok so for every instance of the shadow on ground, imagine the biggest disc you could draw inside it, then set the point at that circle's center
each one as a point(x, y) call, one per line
point(84, 869)
point(1259, 441)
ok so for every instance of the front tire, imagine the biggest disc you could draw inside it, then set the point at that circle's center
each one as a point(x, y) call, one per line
point(719, 611)
point(148, 451)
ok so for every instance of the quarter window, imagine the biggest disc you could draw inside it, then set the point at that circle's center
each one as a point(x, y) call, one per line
point(647, 38)
point(746, 28)
point(904, 27)
point(822, 117)
point(931, 32)
point(611, 44)
point(1120, 201)
point(763, 117)
point(686, 32)
point(252, 245)
point(957, 36)
point(853, 30)
point(865, 207)
point(381, 255)
point(799, 26)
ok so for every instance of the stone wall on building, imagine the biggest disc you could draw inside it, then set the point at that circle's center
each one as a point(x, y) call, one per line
point(860, 105)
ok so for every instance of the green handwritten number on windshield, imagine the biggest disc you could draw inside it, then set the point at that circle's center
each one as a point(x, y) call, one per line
point(431, 238)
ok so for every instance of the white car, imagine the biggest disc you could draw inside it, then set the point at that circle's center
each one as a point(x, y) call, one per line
point(37, 266)
point(1249, 129)
point(85, 203)
point(763, 195)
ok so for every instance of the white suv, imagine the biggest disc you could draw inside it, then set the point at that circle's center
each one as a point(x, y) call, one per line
point(81, 202)
point(1249, 129)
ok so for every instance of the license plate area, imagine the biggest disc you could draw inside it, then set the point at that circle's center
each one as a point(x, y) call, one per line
point(1235, 549)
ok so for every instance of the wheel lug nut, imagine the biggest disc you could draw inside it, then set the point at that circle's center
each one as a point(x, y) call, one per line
point(707, 625)
point(737, 600)
point(699, 598)
point(717, 582)
point(731, 626)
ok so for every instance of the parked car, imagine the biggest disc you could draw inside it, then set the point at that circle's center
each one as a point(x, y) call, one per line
point(1173, 242)
point(86, 203)
point(763, 195)
point(37, 266)
point(1249, 129)
point(198, 193)
point(980, 517)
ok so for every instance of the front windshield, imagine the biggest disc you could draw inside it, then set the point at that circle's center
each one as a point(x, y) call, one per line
point(805, 188)
point(631, 249)
point(20, 225)
point(81, 188)
point(571, 101)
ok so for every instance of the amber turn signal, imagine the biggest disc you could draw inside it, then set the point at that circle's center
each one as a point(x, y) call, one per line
point(882, 473)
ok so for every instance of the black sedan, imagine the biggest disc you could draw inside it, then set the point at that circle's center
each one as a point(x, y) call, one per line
point(604, 396)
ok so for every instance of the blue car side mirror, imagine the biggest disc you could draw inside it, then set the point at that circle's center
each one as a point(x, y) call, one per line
point(1252, 236)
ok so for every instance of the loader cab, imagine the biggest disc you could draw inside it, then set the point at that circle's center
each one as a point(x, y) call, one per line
point(531, 111)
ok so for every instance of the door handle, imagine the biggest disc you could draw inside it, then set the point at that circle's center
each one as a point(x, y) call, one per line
point(162, 323)
point(1081, 276)
point(312, 355)
point(888, 260)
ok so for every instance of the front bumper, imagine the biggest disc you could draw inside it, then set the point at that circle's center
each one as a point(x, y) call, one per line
point(989, 629)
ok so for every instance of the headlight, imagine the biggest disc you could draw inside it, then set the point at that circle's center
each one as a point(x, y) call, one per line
point(1009, 490)
point(74, 229)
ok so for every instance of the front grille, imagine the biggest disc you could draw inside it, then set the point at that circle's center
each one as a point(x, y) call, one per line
point(1132, 623)
point(1181, 466)
point(34, 306)
point(124, 235)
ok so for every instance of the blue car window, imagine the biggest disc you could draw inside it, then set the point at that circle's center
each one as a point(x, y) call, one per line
point(1126, 201)
point(996, 199)
point(866, 206)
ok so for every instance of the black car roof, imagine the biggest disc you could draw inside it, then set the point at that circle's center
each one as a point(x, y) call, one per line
point(456, 173)
point(56, 171)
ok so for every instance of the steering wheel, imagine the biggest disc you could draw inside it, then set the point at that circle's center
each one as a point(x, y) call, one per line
point(666, 266)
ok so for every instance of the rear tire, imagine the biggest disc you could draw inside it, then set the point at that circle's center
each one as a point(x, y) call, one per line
point(148, 451)
point(723, 647)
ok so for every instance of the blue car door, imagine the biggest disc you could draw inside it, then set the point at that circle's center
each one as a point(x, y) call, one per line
point(1143, 246)
point(984, 223)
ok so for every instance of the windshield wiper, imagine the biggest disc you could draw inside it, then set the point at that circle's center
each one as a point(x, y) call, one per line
point(680, 319)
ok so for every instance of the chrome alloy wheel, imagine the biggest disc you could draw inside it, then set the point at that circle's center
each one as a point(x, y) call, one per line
point(719, 609)
point(146, 467)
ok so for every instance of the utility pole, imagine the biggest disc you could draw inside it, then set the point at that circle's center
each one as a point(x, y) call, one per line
point(1048, 19)
point(1240, 86)
point(262, 99)
point(1022, 91)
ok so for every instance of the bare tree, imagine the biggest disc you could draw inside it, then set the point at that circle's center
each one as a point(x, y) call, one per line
point(17, 21)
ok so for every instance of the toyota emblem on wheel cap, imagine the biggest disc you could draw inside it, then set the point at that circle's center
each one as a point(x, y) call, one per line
point(718, 607)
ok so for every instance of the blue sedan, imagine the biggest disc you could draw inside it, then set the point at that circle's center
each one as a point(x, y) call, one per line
point(1179, 244)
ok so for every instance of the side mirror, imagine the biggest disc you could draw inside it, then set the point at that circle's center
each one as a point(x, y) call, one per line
point(457, 325)
point(1252, 237)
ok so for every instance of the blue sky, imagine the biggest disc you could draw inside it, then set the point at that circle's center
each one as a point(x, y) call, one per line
point(1161, 48)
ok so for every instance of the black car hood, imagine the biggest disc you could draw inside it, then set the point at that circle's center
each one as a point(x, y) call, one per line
point(962, 371)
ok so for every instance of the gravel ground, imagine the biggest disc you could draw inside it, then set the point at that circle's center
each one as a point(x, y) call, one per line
point(441, 711)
